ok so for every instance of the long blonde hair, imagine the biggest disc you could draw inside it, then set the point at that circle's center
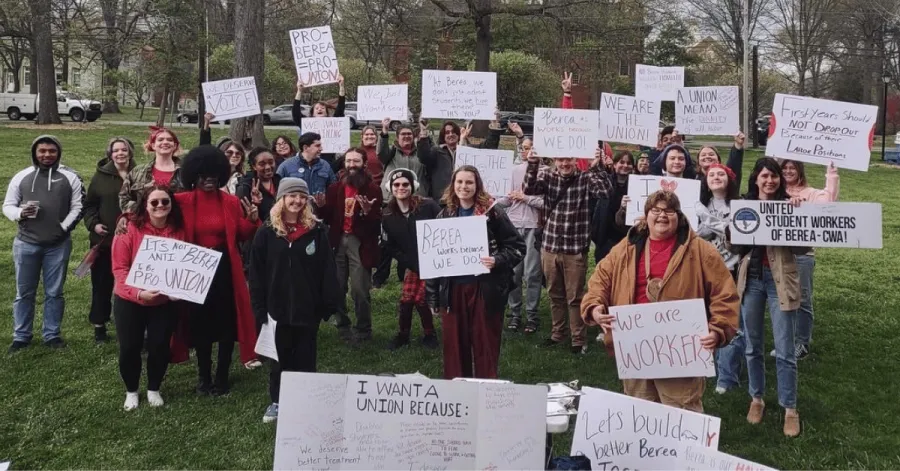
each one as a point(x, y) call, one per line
point(276, 221)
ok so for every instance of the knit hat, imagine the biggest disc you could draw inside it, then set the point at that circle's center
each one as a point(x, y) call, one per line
point(401, 173)
point(291, 185)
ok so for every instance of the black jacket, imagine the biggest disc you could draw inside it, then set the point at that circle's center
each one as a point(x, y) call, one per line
point(268, 200)
point(101, 205)
point(508, 249)
point(400, 232)
point(440, 163)
point(295, 283)
point(603, 215)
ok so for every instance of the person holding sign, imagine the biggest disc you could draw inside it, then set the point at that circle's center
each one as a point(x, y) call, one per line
point(402, 154)
point(668, 136)
point(138, 311)
point(662, 259)
point(165, 169)
point(472, 306)
point(293, 282)
point(708, 156)
point(319, 110)
point(440, 161)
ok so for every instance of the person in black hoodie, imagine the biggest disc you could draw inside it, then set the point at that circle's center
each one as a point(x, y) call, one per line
point(606, 231)
point(293, 282)
point(101, 212)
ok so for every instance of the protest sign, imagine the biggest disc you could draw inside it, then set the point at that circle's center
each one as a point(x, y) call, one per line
point(376, 102)
point(565, 133)
point(452, 246)
point(706, 459)
point(779, 223)
point(494, 166)
point(657, 83)
point(175, 268)
point(620, 432)
point(449, 94)
point(822, 131)
point(661, 340)
point(314, 55)
point(265, 341)
point(712, 111)
point(232, 98)
point(642, 186)
point(628, 120)
point(335, 133)
point(332, 421)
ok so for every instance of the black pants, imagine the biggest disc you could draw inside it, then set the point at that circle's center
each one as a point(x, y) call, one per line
point(296, 348)
point(102, 283)
point(215, 321)
point(132, 320)
point(383, 270)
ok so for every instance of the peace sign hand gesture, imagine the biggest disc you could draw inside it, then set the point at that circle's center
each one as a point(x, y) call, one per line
point(255, 194)
point(251, 211)
point(567, 82)
point(464, 133)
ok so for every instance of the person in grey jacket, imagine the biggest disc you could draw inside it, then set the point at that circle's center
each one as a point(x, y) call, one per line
point(45, 200)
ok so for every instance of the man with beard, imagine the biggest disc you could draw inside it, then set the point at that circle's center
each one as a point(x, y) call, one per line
point(353, 212)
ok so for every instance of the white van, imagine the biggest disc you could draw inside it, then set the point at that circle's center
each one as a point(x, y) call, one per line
point(25, 105)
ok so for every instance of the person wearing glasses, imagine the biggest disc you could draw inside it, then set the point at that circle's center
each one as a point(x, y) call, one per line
point(282, 149)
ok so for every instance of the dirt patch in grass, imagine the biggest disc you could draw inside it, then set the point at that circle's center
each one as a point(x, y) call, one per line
point(64, 126)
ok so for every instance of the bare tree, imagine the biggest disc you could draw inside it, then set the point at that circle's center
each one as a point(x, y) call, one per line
point(43, 47)
point(804, 36)
point(723, 19)
point(15, 27)
point(249, 59)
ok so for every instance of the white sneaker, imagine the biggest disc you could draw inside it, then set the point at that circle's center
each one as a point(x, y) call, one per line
point(772, 353)
point(271, 414)
point(154, 399)
point(252, 364)
point(721, 390)
point(131, 401)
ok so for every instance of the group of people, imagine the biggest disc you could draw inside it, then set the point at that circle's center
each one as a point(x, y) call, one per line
point(300, 229)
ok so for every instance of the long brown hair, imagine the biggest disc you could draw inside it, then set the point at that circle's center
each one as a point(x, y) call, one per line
point(482, 198)
point(174, 219)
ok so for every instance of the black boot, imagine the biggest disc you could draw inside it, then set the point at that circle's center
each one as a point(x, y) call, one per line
point(399, 340)
point(100, 335)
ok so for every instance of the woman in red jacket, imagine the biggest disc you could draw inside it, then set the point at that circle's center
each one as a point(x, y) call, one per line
point(137, 310)
point(215, 219)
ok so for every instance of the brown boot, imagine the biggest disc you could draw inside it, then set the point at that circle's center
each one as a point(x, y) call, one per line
point(755, 415)
point(791, 424)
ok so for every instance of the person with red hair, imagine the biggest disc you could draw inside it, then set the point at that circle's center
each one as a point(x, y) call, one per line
point(163, 170)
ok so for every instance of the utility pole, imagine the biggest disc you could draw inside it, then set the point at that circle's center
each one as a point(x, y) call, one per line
point(755, 94)
point(203, 71)
point(746, 91)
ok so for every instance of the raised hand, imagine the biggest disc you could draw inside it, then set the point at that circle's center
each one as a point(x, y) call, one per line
point(516, 129)
point(385, 125)
point(567, 82)
point(364, 204)
point(464, 132)
point(299, 86)
point(532, 157)
point(341, 85)
point(255, 195)
point(250, 210)
point(739, 140)
point(208, 119)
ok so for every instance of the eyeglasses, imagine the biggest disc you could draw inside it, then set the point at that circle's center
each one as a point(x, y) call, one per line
point(163, 202)
point(282, 144)
point(407, 134)
point(658, 211)
point(401, 185)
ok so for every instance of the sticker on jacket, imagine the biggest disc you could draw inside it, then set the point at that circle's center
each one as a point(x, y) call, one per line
point(311, 248)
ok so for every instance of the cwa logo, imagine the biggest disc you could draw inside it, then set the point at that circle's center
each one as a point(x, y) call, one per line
point(746, 220)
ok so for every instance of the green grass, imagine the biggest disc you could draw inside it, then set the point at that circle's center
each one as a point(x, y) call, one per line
point(63, 409)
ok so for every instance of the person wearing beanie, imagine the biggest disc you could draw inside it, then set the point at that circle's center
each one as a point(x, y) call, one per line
point(45, 200)
point(399, 228)
point(293, 282)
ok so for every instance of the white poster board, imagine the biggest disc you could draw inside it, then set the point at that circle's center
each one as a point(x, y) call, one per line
point(175, 268)
point(629, 120)
point(265, 341)
point(697, 458)
point(662, 340)
point(314, 55)
point(450, 94)
point(232, 98)
point(712, 111)
point(618, 432)
point(822, 131)
point(642, 186)
point(779, 223)
point(494, 166)
point(566, 133)
point(452, 246)
point(332, 421)
point(376, 102)
point(335, 133)
point(657, 83)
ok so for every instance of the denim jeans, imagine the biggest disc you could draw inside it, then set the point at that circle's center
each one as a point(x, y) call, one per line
point(803, 322)
point(753, 309)
point(29, 261)
point(528, 270)
point(730, 359)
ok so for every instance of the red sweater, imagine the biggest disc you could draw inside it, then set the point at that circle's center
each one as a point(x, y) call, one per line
point(210, 224)
point(125, 248)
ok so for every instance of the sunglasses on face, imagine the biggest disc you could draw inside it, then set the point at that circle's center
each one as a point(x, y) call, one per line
point(163, 202)
point(401, 185)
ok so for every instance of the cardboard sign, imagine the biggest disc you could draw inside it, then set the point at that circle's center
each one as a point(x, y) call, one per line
point(494, 166)
point(713, 111)
point(657, 83)
point(628, 120)
point(331, 421)
point(705, 459)
point(449, 94)
point(335, 133)
point(642, 186)
point(620, 432)
point(452, 246)
point(565, 133)
point(314, 55)
point(662, 340)
point(779, 223)
point(376, 102)
point(822, 131)
point(175, 268)
point(232, 98)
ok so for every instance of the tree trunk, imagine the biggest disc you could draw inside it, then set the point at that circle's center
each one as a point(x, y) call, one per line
point(249, 52)
point(110, 81)
point(161, 116)
point(483, 40)
point(43, 46)
point(32, 63)
point(201, 77)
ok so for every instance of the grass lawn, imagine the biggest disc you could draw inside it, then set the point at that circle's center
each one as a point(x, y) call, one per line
point(64, 409)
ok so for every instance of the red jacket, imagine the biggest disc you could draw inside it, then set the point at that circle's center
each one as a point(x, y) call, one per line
point(125, 248)
point(365, 227)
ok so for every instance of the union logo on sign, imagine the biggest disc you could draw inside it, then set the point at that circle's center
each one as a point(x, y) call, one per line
point(746, 220)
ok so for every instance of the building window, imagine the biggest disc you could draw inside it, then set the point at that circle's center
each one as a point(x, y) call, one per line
point(26, 74)
point(59, 77)
point(76, 77)
point(624, 69)
point(76, 55)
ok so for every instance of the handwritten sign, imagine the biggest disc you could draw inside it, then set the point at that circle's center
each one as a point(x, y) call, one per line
point(448, 94)
point(335, 132)
point(452, 246)
point(619, 432)
point(662, 340)
point(712, 111)
point(329, 421)
point(706, 459)
point(175, 268)
point(314, 55)
point(657, 83)
point(376, 102)
point(779, 223)
point(494, 166)
point(565, 133)
point(642, 186)
point(822, 131)
point(628, 120)
point(232, 98)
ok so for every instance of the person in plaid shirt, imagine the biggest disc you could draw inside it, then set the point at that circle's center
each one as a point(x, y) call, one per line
point(566, 237)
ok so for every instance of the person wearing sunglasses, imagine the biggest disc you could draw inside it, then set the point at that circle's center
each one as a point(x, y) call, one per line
point(236, 155)
point(139, 310)
point(662, 259)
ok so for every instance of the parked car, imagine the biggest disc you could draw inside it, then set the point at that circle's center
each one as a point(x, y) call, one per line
point(280, 115)
point(350, 112)
point(762, 130)
point(525, 121)
point(187, 117)
point(25, 105)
